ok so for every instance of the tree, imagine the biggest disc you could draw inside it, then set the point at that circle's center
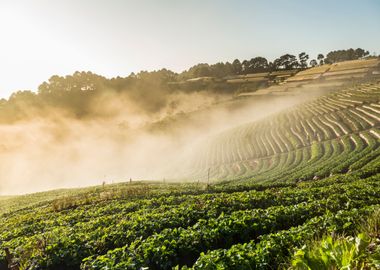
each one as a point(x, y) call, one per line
point(320, 58)
point(245, 67)
point(360, 53)
point(236, 66)
point(20, 105)
point(313, 63)
point(23, 96)
point(286, 61)
point(303, 57)
point(221, 69)
point(271, 66)
point(228, 69)
point(200, 70)
point(258, 64)
point(79, 81)
point(344, 55)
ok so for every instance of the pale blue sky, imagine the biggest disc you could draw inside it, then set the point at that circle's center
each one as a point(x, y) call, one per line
point(40, 38)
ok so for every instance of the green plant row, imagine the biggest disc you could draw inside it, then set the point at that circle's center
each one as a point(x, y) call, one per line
point(275, 249)
point(182, 246)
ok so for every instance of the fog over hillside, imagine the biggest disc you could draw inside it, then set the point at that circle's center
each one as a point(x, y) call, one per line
point(84, 129)
point(60, 151)
point(140, 128)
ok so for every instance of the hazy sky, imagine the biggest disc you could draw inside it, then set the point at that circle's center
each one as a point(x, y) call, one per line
point(40, 38)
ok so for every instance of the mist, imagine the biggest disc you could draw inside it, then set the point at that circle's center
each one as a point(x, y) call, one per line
point(60, 151)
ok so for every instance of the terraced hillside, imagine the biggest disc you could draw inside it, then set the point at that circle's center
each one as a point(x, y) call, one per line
point(325, 78)
point(339, 71)
point(332, 133)
point(299, 174)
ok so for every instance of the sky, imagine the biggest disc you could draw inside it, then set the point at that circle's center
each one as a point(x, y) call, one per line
point(41, 38)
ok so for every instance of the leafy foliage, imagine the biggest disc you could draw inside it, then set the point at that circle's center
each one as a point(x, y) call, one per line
point(333, 252)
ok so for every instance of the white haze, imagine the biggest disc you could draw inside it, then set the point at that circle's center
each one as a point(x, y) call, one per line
point(60, 151)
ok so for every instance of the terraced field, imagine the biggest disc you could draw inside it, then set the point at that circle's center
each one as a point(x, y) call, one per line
point(307, 171)
point(338, 71)
point(323, 132)
point(326, 78)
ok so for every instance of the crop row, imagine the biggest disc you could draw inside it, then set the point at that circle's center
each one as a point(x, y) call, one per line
point(180, 246)
point(255, 148)
point(274, 249)
point(124, 221)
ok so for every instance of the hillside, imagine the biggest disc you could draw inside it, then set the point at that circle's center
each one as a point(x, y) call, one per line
point(189, 135)
point(325, 78)
point(297, 87)
point(322, 132)
point(274, 184)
